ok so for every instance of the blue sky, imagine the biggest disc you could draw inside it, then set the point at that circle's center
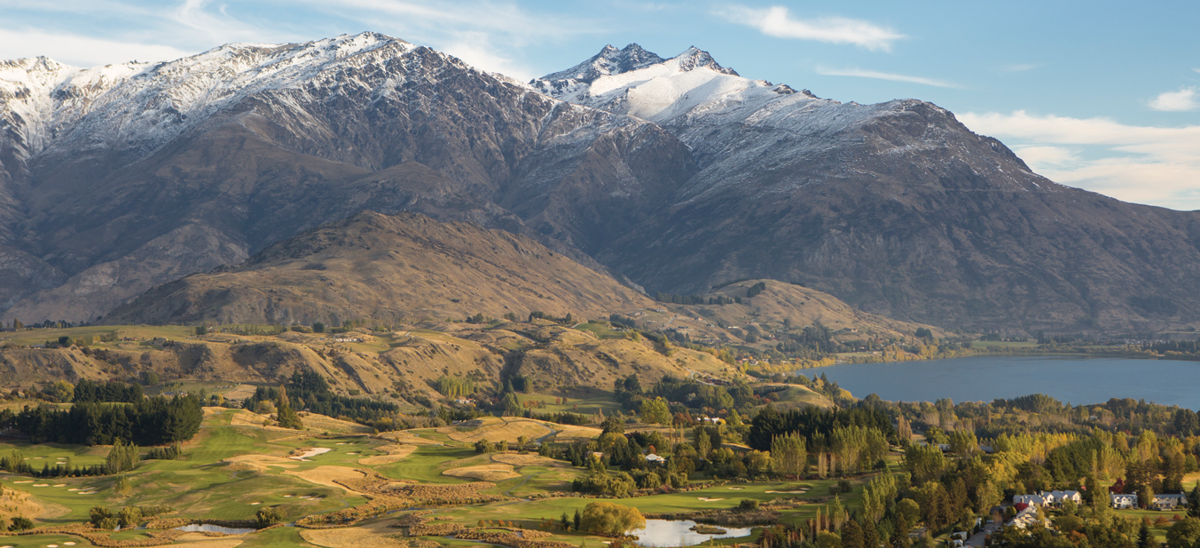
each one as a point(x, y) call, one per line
point(1099, 95)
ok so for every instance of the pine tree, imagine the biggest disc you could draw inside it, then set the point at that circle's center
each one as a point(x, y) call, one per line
point(852, 536)
point(288, 418)
point(578, 519)
point(1144, 538)
point(1194, 501)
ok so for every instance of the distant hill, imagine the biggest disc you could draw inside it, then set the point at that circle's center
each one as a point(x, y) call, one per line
point(402, 268)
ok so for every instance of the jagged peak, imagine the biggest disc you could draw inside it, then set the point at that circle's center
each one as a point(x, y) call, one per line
point(695, 58)
point(608, 61)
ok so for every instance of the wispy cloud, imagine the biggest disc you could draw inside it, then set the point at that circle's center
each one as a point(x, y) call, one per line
point(1176, 101)
point(490, 34)
point(1020, 67)
point(79, 50)
point(1144, 164)
point(859, 73)
point(777, 21)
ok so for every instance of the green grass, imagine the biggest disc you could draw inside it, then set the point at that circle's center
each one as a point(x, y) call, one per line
point(601, 330)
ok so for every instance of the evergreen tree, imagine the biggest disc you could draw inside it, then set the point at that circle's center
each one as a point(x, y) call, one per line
point(1194, 501)
point(288, 418)
point(1145, 540)
point(852, 536)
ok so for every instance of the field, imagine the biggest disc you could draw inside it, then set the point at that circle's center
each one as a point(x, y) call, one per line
point(236, 466)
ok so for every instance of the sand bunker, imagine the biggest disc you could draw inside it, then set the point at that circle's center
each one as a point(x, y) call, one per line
point(483, 472)
point(395, 453)
point(795, 492)
point(325, 475)
point(310, 453)
point(706, 499)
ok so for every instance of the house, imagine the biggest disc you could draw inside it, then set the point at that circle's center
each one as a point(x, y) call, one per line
point(655, 459)
point(1026, 517)
point(1122, 501)
point(1031, 500)
point(1169, 501)
point(1053, 498)
point(1059, 497)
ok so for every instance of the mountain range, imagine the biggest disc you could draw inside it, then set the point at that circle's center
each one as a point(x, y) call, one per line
point(673, 175)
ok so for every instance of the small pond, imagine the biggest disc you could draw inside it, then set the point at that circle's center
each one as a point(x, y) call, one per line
point(662, 533)
point(197, 528)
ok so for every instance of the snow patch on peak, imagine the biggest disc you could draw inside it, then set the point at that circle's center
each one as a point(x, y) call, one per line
point(47, 106)
point(695, 58)
point(609, 61)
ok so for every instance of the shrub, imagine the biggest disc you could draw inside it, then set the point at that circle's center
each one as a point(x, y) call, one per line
point(20, 523)
point(748, 504)
point(610, 519)
point(267, 517)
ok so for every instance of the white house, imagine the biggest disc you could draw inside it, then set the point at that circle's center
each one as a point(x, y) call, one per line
point(1170, 501)
point(1026, 517)
point(1053, 498)
point(1059, 497)
point(1032, 500)
point(1122, 501)
point(655, 459)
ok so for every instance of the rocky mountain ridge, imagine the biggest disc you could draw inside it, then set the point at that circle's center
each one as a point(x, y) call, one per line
point(677, 173)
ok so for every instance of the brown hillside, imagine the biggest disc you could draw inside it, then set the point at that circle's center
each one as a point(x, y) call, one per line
point(403, 267)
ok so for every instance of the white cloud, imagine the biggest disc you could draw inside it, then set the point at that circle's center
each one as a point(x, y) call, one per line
point(489, 34)
point(78, 50)
point(476, 50)
point(1144, 164)
point(858, 73)
point(1176, 101)
point(1020, 67)
point(777, 21)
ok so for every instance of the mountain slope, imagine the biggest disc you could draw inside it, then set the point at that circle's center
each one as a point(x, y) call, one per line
point(378, 267)
point(249, 144)
point(896, 208)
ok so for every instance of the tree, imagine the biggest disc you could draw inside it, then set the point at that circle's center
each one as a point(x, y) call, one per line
point(1194, 501)
point(1145, 540)
point(318, 327)
point(825, 539)
point(852, 535)
point(288, 418)
point(20, 523)
point(578, 520)
point(610, 519)
point(267, 516)
point(121, 457)
point(703, 443)
point(789, 454)
point(655, 411)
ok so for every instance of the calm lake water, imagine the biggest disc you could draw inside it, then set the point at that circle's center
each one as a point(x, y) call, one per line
point(663, 532)
point(197, 528)
point(1069, 379)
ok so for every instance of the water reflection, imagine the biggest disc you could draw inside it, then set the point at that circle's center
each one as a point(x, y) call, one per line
point(662, 533)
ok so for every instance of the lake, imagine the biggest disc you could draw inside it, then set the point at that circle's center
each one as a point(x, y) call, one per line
point(1078, 380)
point(663, 532)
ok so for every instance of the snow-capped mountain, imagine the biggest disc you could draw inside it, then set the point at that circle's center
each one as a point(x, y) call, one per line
point(126, 176)
point(679, 173)
point(859, 200)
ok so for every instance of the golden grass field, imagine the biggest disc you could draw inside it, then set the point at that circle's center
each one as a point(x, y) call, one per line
point(483, 472)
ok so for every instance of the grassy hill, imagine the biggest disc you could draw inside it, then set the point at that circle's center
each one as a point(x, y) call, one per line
point(406, 267)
